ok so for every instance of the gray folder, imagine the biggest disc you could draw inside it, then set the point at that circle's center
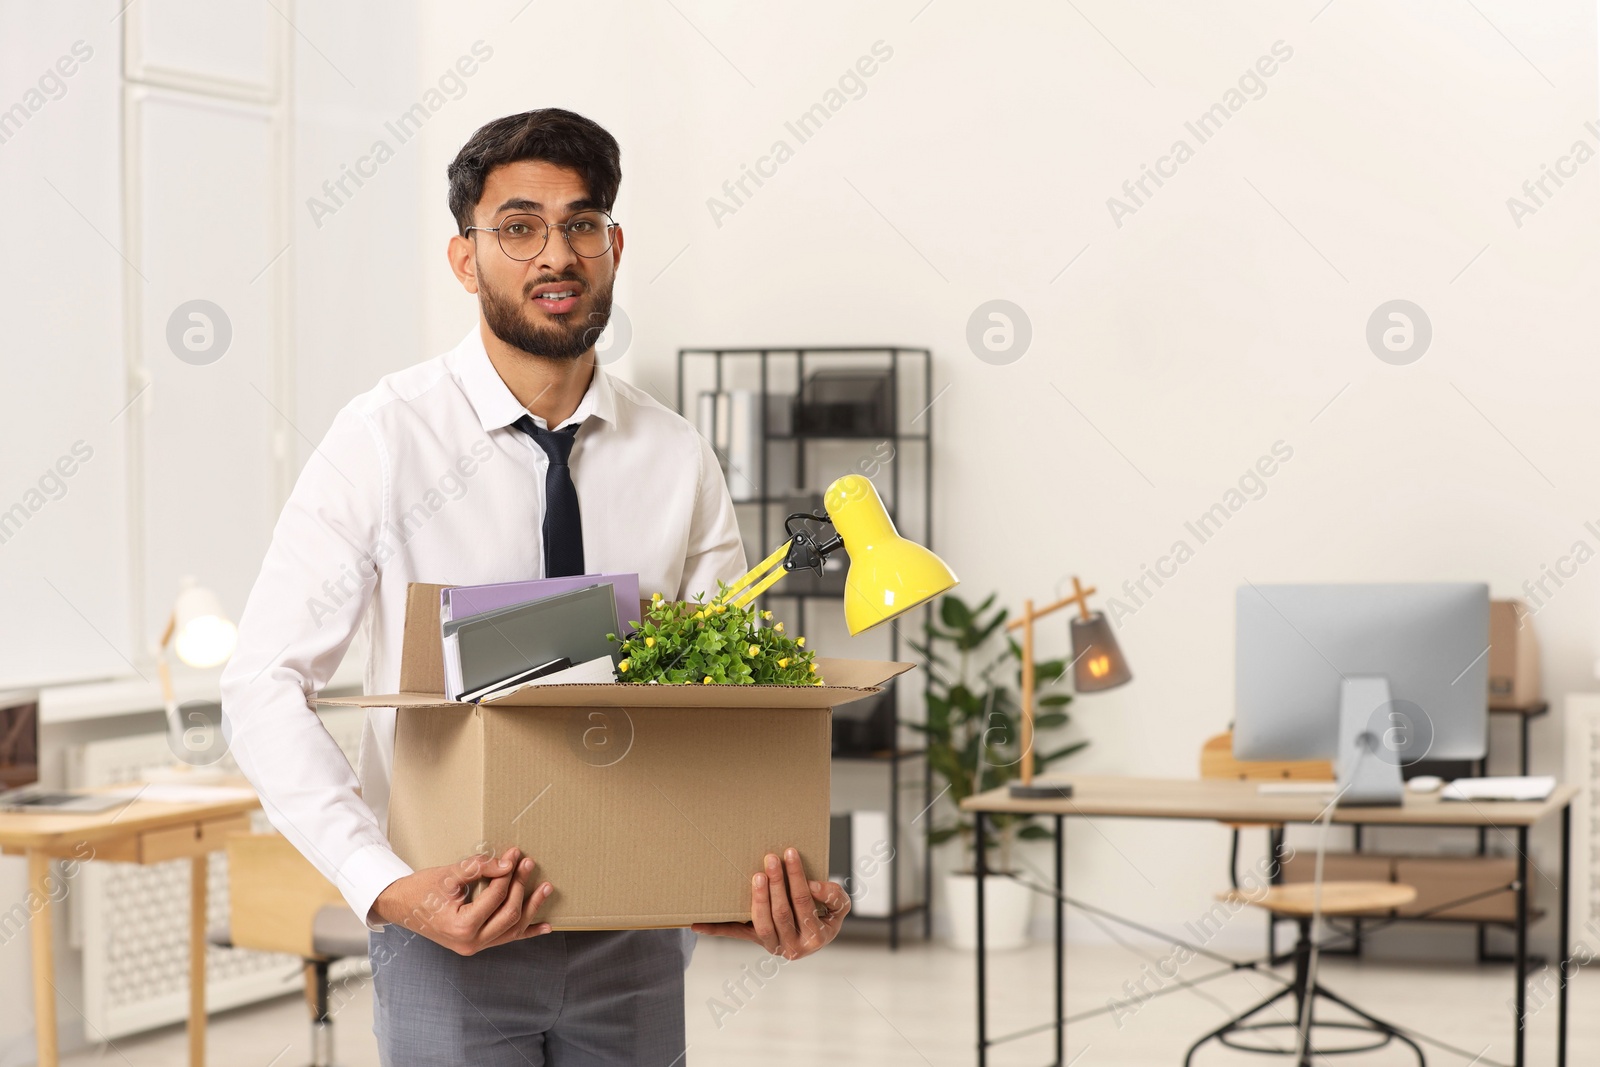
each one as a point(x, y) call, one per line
point(499, 644)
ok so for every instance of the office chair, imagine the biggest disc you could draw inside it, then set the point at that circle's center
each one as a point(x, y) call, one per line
point(278, 902)
point(1295, 902)
point(1339, 900)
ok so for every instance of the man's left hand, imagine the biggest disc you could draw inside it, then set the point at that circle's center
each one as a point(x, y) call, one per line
point(789, 916)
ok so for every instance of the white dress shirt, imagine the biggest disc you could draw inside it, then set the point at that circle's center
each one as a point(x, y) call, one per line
point(425, 479)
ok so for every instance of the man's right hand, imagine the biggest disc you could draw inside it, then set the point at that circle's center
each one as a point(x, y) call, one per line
point(433, 902)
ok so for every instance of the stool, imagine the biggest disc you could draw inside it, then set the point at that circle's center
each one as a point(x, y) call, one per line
point(1340, 900)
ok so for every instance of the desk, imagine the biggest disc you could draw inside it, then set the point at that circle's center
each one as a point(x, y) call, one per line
point(142, 831)
point(1231, 801)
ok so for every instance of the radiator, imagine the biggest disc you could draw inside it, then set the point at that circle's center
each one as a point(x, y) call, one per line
point(1583, 771)
point(132, 921)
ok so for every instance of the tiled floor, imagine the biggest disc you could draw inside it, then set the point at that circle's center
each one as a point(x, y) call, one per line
point(856, 1003)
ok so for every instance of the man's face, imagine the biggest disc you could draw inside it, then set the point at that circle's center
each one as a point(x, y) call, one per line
point(556, 304)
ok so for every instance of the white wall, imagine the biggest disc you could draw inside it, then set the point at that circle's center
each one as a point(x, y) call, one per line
point(1221, 317)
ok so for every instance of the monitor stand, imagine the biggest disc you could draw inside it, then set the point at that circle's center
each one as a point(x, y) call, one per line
point(1368, 769)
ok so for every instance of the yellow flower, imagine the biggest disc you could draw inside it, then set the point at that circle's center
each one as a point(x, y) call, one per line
point(720, 608)
point(813, 668)
point(817, 682)
point(800, 642)
point(778, 628)
point(623, 666)
point(766, 614)
point(655, 598)
point(706, 680)
point(754, 649)
point(649, 642)
point(784, 662)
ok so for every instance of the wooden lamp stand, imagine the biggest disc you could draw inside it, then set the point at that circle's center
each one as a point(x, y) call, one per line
point(1028, 787)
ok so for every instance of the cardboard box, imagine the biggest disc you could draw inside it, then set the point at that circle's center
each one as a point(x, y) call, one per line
point(1513, 656)
point(644, 805)
point(1442, 879)
point(1438, 880)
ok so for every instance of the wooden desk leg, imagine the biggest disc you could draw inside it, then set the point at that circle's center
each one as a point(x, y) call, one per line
point(44, 965)
point(197, 960)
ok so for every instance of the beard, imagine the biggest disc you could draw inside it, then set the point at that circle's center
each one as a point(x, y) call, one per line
point(566, 338)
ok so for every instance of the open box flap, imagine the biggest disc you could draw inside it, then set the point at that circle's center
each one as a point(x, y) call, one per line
point(846, 680)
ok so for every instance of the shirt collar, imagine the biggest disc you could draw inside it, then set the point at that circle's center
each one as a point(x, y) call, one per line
point(496, 407)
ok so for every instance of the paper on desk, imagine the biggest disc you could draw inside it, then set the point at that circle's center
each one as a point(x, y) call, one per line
point(1530, 787)
point(183, 793)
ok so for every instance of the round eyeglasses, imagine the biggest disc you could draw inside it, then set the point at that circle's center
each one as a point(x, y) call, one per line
point(588, 234)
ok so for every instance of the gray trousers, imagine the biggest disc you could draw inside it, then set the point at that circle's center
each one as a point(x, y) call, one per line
point(579, 999)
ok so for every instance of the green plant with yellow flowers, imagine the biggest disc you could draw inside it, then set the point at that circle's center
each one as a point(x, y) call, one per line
point(695, 643)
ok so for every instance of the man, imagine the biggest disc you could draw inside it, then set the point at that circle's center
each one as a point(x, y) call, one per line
point(510, 457)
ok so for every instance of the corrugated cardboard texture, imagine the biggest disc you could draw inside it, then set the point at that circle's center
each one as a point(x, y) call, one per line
point(677, 806)
point(422, 648)
point(438, 792)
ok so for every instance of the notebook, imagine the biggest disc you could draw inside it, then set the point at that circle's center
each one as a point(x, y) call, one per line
point(460, 601)
point(484, 651)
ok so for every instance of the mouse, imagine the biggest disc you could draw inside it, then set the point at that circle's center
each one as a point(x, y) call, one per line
point(1425, 783)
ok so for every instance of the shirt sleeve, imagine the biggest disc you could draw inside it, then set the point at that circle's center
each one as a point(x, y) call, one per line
point(715, 548)
point(314, 588)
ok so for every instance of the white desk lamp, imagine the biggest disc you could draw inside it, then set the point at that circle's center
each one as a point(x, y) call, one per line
point(202, 636)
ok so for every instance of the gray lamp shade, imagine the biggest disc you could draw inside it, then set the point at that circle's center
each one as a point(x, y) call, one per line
point(1097, 662)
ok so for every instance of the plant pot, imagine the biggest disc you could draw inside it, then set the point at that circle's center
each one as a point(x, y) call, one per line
point(1007, 907)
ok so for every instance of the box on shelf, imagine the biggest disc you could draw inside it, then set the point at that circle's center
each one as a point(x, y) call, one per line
point(1513, 655)
point(644, 805)
point(853, 402)
point(1442, 879)
point(1438, 880)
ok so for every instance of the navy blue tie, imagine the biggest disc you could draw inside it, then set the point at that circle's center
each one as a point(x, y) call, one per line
point(563, 522)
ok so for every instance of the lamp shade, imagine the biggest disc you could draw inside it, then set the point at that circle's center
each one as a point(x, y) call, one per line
point(888, 574)
point(202, 634)
point(1097, 661)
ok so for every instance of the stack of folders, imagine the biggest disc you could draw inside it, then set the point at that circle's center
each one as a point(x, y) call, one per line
point(499, 638)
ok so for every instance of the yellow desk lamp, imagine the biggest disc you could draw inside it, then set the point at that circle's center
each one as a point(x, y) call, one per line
point(888, 575)
point(1097, 663)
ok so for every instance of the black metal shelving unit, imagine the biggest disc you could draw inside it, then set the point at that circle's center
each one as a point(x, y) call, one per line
point(901, 362)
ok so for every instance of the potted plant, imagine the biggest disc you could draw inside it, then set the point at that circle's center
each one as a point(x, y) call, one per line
point(974, 740)
point(695, 643)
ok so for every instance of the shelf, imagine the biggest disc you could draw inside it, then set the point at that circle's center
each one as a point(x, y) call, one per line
point(1531, 711)
point(880, 756)
point(907, 490)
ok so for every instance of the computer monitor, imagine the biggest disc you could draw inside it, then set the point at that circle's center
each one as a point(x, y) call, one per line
point(1373, 677)
point(19, 745)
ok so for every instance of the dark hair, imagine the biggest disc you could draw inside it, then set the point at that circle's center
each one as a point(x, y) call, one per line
point(549, 134)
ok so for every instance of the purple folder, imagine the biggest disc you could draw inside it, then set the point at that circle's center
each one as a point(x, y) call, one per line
point(457, 602)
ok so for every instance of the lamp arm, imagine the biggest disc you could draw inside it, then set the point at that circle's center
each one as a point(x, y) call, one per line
point(803, 550)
